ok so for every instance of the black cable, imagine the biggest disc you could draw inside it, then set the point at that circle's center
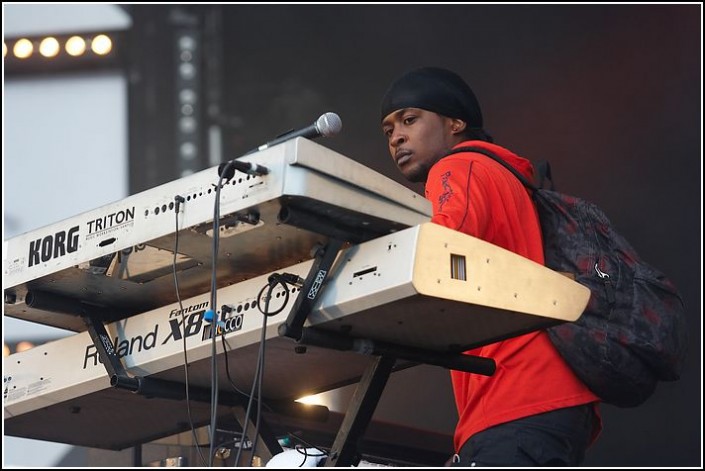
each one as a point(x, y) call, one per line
point(322, 450)
point(180, 199)
point(252, 395)
point(227, 348)
point(225, 171)
point(266, 313)
point(247, 418)
point(259, 374)
point(274, 280)
point(214, 324)
point(306, 454)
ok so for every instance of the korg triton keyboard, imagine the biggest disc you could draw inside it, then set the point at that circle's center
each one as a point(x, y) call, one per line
point(119, 257)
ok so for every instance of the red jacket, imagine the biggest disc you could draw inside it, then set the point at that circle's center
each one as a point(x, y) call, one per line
point(473, 194)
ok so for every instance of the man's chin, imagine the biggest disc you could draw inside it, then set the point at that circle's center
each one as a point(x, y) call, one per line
point(414, 174)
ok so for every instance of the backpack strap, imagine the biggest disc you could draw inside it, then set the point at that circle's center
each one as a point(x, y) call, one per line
point(499, 160)
point(543, 174)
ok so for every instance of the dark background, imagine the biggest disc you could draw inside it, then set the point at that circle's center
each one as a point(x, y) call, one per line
point(610, 95)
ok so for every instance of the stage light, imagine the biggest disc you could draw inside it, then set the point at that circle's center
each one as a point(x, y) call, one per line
point(188, 53)
point(187, 125)
point(188, 96)
point(23, 346)
point(188, 151)
point(187, 71)
point(313, 400)
point(101, 45)
point(187, 43)
point(64, 52)
point(23, 48)
point(49, 47)
point(75, 46)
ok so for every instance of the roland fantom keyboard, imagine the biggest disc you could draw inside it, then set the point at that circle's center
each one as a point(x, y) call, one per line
point(424, 287)
point(119, 257)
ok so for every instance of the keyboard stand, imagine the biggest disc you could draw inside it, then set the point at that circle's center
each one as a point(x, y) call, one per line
point(362, 407)
point(371, 386)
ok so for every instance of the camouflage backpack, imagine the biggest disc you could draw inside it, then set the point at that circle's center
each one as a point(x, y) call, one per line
point(633, 331)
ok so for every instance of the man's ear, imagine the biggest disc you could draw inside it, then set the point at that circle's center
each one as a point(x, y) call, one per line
point(457, 126)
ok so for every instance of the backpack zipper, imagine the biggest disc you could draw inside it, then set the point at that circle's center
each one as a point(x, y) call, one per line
point(609, 289)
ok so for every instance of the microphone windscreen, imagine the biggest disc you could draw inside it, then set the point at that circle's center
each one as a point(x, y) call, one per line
point(329, 124)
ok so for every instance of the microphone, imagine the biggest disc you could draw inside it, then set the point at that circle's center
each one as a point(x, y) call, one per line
point(327, 125)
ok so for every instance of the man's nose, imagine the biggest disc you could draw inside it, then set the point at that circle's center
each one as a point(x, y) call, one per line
point(397, 139)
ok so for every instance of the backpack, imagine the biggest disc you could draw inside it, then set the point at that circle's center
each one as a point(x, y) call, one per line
point(633, 332)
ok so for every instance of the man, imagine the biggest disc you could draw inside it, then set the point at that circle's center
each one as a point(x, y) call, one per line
point(533, 411)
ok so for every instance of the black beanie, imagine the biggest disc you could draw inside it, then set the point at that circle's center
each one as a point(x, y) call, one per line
point(434, 89)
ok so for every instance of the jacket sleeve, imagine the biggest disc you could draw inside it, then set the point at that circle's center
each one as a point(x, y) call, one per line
point(455, 191)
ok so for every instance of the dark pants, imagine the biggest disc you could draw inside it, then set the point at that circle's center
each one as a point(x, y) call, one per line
point(556, 438)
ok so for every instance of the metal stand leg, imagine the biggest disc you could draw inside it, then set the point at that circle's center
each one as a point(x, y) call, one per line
point(311, 290)
point(360, 411)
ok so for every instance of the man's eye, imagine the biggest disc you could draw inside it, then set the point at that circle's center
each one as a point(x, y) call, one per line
point(387, 132)
point(409, 119)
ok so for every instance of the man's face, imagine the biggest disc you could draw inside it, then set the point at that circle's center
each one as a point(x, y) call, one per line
point(418, 139)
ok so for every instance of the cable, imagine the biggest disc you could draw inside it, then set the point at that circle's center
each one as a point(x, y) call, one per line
point(261, 361)
point(274, 280)
point(255, 383)
point(309, 445)
point(225, 171)
point(259, 371)
point(256, 390)
point(214, 320)
point(214, 303)
point(180, 199)
point(306, 454)
point(227, 348)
